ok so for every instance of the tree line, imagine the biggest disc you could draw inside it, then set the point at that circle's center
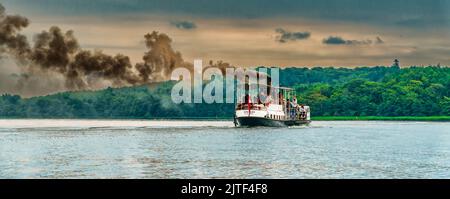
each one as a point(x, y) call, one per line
point(363, 91)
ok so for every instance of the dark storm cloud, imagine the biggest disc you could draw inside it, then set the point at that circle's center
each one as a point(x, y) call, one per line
point(336, 40)
point(284, 36)
point(413, 13)
point(184, 25)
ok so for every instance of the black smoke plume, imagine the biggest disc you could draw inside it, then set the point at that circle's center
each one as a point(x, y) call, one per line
point(57, 53)
point(11, 41)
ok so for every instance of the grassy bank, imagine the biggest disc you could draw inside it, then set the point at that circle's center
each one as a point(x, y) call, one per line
point(382, 118)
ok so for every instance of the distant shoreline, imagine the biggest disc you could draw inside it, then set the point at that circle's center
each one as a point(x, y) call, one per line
point(314, 118)
point(381, 118)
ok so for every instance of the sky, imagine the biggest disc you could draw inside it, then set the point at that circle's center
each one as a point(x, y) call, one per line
point(342, 33)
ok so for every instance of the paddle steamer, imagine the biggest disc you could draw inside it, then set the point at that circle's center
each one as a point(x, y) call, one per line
point(277, 107)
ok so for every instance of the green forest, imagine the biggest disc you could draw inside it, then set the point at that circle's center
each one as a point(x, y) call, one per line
point(364, 91)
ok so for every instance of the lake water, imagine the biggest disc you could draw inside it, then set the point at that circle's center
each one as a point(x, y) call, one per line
point(215, 149)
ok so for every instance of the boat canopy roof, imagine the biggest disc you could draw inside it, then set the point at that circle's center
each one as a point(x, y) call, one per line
point(284, 88)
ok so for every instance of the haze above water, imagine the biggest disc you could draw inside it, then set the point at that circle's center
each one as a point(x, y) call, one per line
point(216, 149)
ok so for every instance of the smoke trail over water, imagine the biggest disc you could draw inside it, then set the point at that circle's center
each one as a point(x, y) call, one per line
point(54, 61)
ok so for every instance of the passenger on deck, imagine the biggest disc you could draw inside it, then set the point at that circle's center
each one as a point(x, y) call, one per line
point(268, 100)
point(280, 99)
point(292, 110)
point(259, 104)
point(294, 102)
point(302, 112)
point(258, 100)
point(262, 96)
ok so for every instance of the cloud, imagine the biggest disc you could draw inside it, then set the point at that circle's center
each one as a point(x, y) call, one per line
point(284, 36)
point(424, 22)
point(336, 40)
point(378, 40)
point(380, 12)
point(184, 25)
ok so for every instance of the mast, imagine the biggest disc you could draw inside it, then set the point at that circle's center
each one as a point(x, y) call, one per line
point(396, 63)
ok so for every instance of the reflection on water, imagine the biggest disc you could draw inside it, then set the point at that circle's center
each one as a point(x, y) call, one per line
point(206, 149)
